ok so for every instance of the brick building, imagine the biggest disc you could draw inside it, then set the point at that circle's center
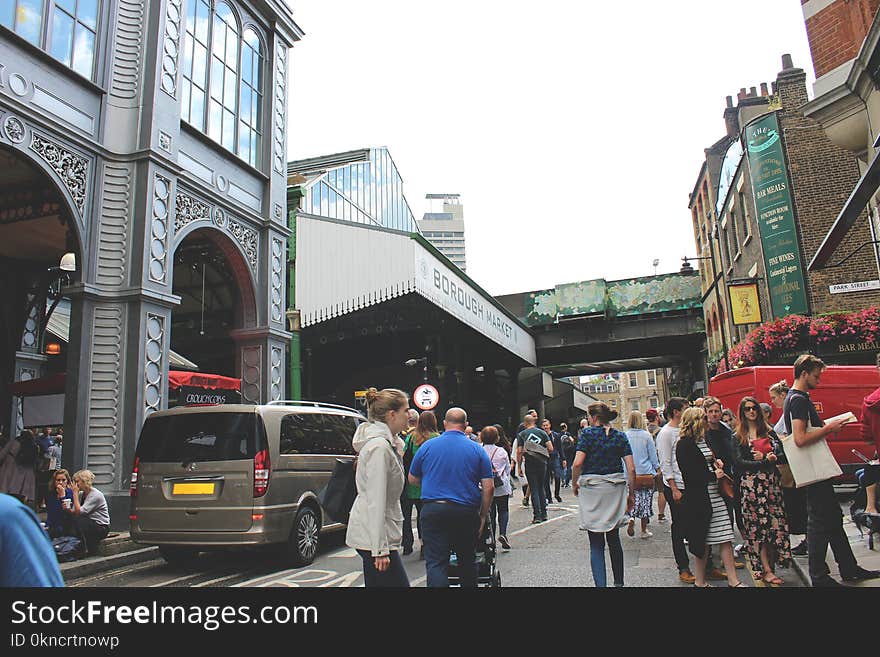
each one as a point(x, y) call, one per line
point(629, 391)
point(820, 175)
point(847, 106)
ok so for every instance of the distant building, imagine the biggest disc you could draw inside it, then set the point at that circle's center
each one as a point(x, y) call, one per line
point(625, 392)
point(443, 227)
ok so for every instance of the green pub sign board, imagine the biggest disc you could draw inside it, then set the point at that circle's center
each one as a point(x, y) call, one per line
point(770, 186)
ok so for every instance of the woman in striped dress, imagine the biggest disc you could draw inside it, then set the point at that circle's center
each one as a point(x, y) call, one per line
point(706, 519)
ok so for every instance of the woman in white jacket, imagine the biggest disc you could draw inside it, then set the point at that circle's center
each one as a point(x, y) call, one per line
point(375, 526)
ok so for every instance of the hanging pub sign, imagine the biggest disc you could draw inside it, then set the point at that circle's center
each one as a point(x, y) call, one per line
point(744, 303)
point(776, 221)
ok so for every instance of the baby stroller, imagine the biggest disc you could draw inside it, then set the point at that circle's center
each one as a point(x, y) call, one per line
point(488, 574)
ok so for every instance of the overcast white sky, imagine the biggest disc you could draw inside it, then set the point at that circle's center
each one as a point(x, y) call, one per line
point(574, 131)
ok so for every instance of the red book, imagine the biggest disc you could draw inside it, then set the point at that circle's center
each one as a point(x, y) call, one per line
point(762, 445)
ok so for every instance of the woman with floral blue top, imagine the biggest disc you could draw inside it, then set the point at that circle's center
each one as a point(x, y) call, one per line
point(603, 489)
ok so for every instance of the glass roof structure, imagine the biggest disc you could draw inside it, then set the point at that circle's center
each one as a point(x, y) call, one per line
point(362, 187)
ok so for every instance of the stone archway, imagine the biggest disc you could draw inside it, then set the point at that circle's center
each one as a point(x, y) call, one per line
point(38, 225)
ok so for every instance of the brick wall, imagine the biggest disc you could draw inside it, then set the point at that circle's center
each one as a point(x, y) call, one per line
point(823, 176)
point(837, 31)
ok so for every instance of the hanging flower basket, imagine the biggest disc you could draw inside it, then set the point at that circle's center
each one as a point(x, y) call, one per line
point(775, 342)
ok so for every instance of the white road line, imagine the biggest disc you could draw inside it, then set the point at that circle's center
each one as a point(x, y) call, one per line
point(181, 579)
point(344, 554)
point(420, 580)
point(546, 522)
point(220, 579)
point(79, 581)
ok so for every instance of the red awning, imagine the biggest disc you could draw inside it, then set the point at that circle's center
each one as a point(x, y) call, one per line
point(51, 385)
point(200, 380)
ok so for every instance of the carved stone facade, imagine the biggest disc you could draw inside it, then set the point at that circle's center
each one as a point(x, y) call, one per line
point(136, 179)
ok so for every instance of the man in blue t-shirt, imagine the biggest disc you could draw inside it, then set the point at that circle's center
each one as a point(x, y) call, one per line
point(452, 470)
point(26, 554)
point(824, 518)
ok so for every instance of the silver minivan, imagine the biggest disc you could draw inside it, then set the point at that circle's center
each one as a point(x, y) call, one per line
point(238, 475)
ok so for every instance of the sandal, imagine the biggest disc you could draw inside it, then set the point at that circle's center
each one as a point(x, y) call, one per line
point(738, 585)
point(774, 580)
point(704, 586)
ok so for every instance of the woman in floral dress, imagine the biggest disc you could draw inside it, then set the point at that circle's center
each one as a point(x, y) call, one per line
point(767, 543)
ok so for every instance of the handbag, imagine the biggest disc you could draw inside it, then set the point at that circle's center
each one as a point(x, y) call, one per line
point(645, 481)
point(338, 496)
point(725, 484)
point(499, 482)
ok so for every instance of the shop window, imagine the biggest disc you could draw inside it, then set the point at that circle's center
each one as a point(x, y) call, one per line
point(66, 29)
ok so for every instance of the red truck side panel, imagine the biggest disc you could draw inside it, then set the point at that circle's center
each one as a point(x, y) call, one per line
point(843, 388)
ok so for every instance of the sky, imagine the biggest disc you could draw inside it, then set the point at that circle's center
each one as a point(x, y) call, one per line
point(574, 131)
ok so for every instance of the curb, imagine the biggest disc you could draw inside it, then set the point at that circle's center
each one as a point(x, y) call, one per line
point(799, 566)
point(91, 565)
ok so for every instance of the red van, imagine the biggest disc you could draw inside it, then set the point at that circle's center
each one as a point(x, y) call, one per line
point(843, 388)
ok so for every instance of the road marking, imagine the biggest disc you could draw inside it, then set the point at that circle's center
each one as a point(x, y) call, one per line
point(225, 577)
point(344, 554)
point(291, 577)
point(79, 581)
point(546, 522)
point(345, 581)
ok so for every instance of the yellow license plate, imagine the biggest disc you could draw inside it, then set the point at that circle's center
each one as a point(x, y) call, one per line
point(192, 489)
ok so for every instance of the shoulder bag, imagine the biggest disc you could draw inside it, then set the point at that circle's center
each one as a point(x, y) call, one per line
point(499, 482)
point(725, 484)
point(338, 496)
point(645, 481)
point(535, 449)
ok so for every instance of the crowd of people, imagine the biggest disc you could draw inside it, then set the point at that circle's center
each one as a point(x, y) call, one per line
point(717, 471)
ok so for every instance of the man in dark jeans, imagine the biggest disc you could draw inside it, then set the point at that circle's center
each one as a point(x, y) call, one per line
point(536, 464)
point(452, 470)
point(824, 517)
point(673, 483)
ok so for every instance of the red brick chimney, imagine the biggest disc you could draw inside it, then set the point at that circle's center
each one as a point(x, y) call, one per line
point(836, 30)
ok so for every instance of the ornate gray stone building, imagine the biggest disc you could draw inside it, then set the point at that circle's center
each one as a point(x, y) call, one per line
point(147, 138)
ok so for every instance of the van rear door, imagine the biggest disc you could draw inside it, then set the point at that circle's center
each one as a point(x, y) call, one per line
point(196, 471)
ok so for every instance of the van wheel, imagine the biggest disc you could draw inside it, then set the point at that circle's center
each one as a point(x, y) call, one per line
point(302, 546)
point(176, 555)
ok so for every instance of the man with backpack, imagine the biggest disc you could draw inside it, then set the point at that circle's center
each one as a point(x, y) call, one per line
point(534, 448)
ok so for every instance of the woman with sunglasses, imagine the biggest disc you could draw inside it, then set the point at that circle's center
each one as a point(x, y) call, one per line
point(759, 449)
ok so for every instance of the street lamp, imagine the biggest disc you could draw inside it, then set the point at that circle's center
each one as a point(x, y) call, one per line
point(413, 362)
point(686, 268)
point(655, 263)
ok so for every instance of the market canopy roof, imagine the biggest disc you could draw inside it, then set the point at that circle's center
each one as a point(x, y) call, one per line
point(59, 326)
point(344, 267)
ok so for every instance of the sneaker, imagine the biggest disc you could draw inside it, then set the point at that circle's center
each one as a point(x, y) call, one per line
point(631, 527)
point(537, 521)
point(647, 533)
point(559, 499)
point(687, 576)
point(525, 501)
point(503, 540)
point(661, 517)
point(716, 574)
point(800, 550)
point(860, 574)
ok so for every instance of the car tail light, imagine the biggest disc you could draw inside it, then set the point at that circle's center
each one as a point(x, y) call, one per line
point(262, 467)
point(133, 489)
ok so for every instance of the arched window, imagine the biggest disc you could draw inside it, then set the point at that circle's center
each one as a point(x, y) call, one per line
point(222, 88)
point(251, 100)
point(66, 29)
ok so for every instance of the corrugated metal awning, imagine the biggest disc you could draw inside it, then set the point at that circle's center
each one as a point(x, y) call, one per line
point(59, 326)
point(343, 267)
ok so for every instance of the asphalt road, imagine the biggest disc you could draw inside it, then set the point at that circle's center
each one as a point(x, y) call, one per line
point(554, 553)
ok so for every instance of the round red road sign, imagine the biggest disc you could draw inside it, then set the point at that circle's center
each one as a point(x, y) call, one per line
point(426, 397)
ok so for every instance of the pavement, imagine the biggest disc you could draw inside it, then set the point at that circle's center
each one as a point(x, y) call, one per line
point(867, 558)
point(649, 563)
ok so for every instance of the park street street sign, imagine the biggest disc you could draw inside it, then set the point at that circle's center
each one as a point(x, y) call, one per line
point(854, 287)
